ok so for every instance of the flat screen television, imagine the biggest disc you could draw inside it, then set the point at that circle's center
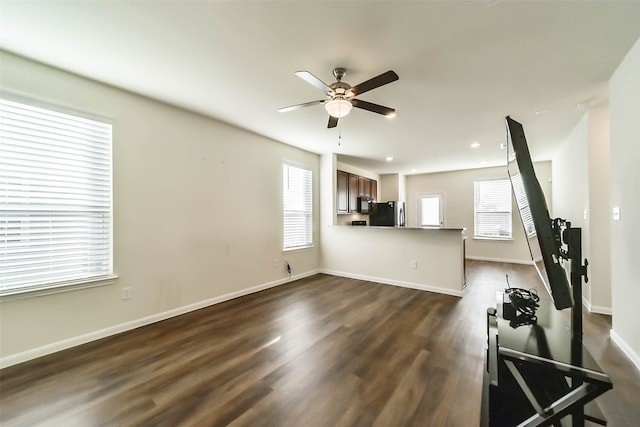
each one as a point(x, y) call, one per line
point(544, 244)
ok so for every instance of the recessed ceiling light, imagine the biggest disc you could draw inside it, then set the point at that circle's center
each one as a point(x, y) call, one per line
point(474, 145)
point(540, 112)
point(389, 158)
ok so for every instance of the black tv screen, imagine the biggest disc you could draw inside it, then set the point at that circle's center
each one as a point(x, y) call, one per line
point(543, 245)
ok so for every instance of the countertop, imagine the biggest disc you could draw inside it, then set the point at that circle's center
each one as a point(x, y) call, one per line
point(377, 227)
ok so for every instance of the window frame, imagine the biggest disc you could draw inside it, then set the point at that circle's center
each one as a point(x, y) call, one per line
point(477, 234)
point(306, 213)
point(88, 279)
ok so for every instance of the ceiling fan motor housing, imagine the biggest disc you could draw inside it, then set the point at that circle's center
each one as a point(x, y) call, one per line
point(339, 73)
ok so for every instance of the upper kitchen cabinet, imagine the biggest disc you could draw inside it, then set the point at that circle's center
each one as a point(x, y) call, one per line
point(353, 193)
point(349, 188)
point(342, 192)
point(364, 186)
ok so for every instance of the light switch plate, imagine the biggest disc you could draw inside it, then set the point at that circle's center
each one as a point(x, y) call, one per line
point(616, 213)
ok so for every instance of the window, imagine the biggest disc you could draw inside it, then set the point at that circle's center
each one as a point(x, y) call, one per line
point(296, 198)
point(430, 210)
point(55, 199)
point(523, 205)
point(492, 209)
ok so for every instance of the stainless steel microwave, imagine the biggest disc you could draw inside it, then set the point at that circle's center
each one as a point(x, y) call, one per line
point(364, 204)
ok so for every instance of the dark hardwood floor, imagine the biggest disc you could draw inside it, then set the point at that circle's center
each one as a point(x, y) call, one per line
point(321, 351)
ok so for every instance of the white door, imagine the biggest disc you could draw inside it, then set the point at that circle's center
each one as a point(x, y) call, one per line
point(431, 210)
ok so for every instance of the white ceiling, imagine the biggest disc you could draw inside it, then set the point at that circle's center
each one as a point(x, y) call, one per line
point(463, 66)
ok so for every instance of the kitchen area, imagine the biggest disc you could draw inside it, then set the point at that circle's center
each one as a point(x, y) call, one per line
point(366, 235)
point(357, 196)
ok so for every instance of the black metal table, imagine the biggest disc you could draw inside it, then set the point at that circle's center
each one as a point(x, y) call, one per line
point(536, 373)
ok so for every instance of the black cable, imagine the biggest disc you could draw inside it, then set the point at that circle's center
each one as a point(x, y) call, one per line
point(523, 300)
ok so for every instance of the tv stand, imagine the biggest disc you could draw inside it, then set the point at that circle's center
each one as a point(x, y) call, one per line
point(539, 373)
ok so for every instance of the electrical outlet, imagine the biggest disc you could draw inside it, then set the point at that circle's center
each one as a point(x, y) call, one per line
point(126, 293)
point(413, 264)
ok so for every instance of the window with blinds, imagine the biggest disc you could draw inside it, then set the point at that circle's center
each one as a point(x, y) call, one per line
point(296, 197)
point(55, 198)
point(492, 209)
point(523, 205)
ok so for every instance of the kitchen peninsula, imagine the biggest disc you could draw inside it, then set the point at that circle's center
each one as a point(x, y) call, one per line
point(430, 259)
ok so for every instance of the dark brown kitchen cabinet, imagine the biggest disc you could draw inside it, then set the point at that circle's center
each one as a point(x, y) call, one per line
point(364, 186)
point(342, 192)
point(350, 187)
point(353, 193)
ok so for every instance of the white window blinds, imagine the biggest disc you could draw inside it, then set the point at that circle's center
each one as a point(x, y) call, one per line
point(523, 205)
point(296, 196)
point(55, 198)
point(492, 209)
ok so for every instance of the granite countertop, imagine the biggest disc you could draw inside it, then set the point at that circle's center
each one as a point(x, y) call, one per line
point(377, 227)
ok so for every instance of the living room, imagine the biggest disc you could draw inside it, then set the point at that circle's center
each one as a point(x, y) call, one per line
point(197, 202)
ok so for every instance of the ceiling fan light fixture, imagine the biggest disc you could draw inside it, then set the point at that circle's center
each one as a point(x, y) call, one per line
point(338, 107)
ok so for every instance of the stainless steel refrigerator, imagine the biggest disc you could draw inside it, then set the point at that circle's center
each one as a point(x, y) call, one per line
point(388, 214)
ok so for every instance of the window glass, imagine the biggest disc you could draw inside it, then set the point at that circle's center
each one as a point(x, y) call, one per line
point(431, 210)
point(296, 197)
point(492, 209)
point(55, 198)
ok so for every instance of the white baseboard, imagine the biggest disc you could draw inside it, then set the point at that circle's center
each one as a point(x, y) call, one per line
point(400, 283)
point(506, 260)
point(44, 350)
point(632, 355)
point(595, 308)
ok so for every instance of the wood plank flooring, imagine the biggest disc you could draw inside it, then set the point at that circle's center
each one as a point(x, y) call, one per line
point(321, 351)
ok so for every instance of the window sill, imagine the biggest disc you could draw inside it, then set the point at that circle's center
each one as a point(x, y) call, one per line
point(494, 239)
point(37, 291)
point(299, 248)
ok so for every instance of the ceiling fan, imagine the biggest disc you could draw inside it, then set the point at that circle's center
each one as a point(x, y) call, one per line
point(340, 97)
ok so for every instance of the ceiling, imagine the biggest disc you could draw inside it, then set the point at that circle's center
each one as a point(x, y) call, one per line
point(463, 67)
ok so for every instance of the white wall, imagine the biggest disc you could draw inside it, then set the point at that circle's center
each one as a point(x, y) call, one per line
point(581, 187)
point(457, 187)
point(385, 255)
point(197, 215)
point(571, 186)
point(599, 208)
point(389, 187)
point(393, 187)
point(624, 96)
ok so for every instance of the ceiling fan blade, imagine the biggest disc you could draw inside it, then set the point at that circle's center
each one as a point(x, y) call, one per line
point(381, 80)
point(369, 106)
point(313, 80)
point(333, 122)
point(299, 106)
